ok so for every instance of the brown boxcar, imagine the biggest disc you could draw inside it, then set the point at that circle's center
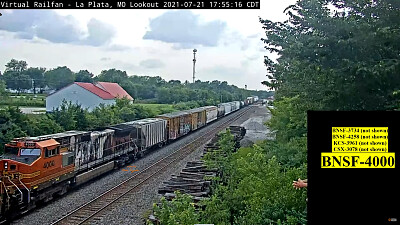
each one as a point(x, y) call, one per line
point(179, 124)
point(198, 117)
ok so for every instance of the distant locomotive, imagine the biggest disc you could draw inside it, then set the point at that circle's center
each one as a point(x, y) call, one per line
point(35, 169)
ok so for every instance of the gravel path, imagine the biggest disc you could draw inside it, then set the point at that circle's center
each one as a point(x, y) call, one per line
point(129, 213)
point(255, 127)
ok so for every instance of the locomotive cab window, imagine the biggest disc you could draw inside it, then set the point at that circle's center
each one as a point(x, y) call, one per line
point(11, 150)
point(30, 151)
point(51, 152)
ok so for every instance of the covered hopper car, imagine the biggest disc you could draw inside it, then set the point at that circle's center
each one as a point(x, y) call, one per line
point(227, 108)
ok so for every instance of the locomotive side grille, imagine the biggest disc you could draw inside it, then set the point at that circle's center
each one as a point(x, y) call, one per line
point(29, 144)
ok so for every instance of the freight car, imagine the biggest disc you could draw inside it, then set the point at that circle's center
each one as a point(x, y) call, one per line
point(249, 100)
point(178, 124)
point(233, 106)
point(34, 169)
point(237, 105)
point(211, 113)
point(221, 111)
point(227, 108)
point(149, 133)
point(198, 118)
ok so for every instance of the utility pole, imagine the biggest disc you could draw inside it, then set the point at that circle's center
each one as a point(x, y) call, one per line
point(194, 64)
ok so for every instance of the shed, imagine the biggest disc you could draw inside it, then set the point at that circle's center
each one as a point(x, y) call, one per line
point(88, 95)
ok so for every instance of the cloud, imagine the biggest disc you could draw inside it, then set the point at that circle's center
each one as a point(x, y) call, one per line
point(257, 35)
point(184, 29)
point(224, 71)
point(99, 33)
point(55, 28)
point(117, 47)
point(105, 59)
point(151, 63)
point(122, 65)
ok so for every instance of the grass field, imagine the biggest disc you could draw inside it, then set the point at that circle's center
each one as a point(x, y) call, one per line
point(38, 100)
point(158, 108)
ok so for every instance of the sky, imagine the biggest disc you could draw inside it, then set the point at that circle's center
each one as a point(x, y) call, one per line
point(144, 42)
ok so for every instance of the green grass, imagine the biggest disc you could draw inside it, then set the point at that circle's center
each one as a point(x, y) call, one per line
point(22, 101)
point(29, 100)
point(158, 108)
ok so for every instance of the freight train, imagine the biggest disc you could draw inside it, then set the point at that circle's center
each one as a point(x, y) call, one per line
point(35, 169)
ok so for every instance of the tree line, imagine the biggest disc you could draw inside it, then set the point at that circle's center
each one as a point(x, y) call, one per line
point(13, 123)
point(146, 89)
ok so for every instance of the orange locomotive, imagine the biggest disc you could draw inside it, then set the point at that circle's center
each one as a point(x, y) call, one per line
point(28, 167)
point(35, 169)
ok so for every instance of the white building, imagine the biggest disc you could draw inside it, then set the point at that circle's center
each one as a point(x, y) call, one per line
point(88, 95)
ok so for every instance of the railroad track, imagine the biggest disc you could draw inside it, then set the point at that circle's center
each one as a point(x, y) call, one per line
point(93, 210)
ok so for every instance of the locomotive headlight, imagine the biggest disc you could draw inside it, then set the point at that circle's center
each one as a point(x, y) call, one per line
point(6, 165)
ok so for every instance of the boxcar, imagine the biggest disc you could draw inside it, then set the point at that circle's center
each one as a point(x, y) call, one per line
point(221, 111)
point(228, 108)
point(242, 104)
point(178, 124)
point(211, 113)
point(149, 132)
point(198, 117)
point(233, 106)
point(237, 105)
point(250, 100)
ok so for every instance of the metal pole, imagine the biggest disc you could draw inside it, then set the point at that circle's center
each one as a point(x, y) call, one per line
point(194, 64)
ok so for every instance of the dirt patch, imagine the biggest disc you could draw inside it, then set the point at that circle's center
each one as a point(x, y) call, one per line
point(255, 127)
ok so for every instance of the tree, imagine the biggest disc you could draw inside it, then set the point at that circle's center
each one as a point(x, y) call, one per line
point(13, 124)
point(180, 210)
point(347, 58)
point(16, 66)
point(129, 87)
point(66, 115)
point(59, 77)
point(17, 80)
point(15, 75)
point(333, 55)
point(37, 77)
point(3, 86)
point(84, 76)
point(112, 75)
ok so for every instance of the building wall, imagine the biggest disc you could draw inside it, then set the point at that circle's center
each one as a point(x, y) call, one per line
point(77, 95)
